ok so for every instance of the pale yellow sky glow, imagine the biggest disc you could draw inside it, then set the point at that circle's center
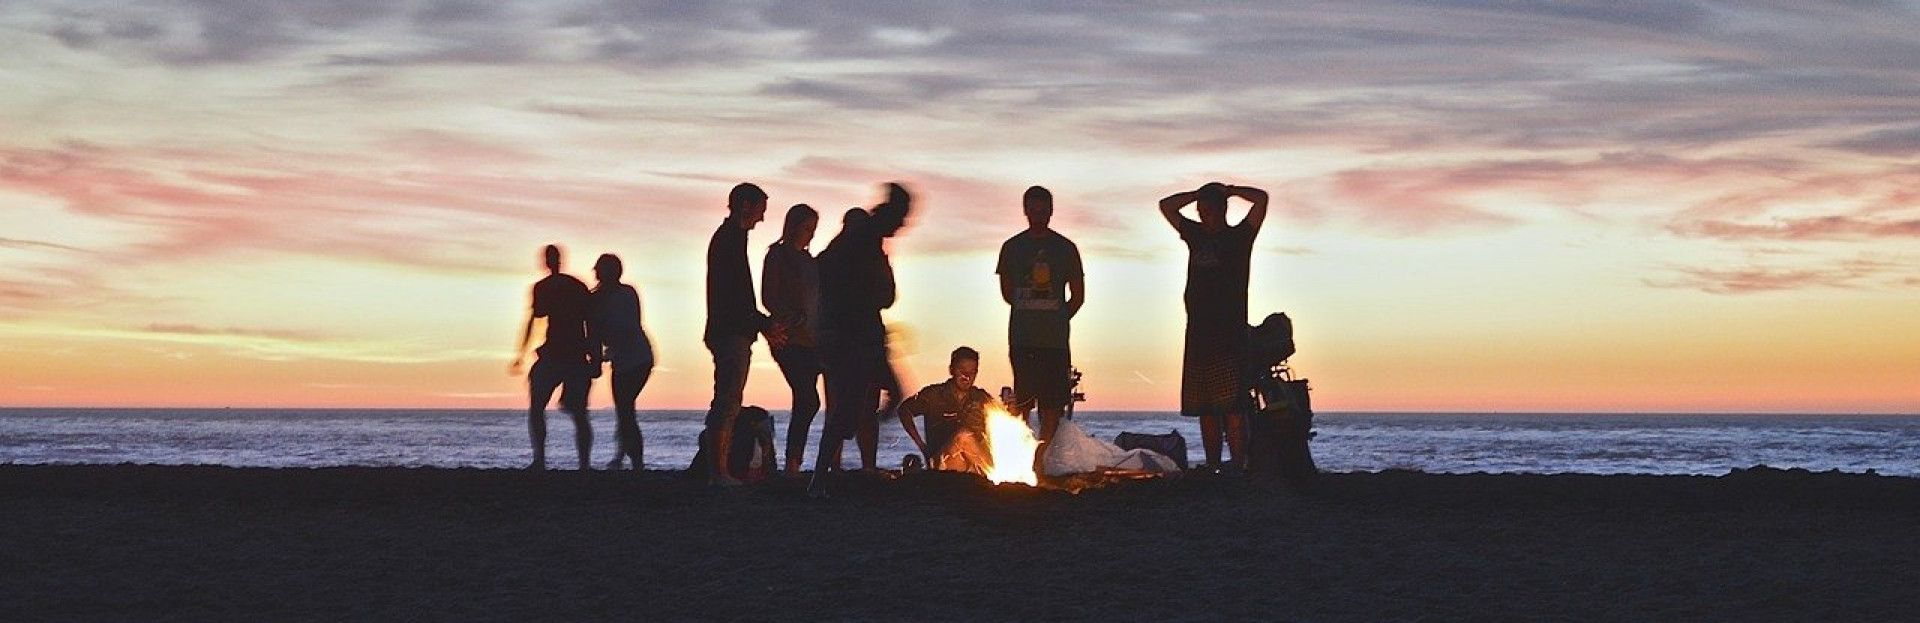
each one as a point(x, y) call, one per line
point(1583, 206)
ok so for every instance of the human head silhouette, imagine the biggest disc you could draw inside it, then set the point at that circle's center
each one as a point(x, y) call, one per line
point(747, 205)
point(608, 269)
point(854, 217)
point(964, 366)
point(799, 226)
point(1211, 202)
point(551, 257)
point(1038, 204)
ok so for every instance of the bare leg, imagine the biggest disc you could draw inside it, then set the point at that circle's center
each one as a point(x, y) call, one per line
point(537, 433)
point(1237, 437)
point(1050, 422)
point(583, 439)
point(540, 387)
point(1210, 439)
point(868, 439)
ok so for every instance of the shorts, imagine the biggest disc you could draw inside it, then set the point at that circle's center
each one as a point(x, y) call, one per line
point(1044, 375)
point(573, 379)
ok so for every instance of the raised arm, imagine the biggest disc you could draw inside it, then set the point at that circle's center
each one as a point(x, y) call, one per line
point(1256, 216)
point(1170, 207)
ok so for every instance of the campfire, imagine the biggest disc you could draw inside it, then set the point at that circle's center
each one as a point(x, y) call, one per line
point(1010, 446)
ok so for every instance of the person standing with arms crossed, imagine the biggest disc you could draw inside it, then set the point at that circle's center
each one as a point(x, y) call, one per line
point(1041, 279)
point(733, 321)
point(1213, 374)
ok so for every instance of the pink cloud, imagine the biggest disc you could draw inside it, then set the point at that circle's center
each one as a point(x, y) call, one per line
point(1850, 274)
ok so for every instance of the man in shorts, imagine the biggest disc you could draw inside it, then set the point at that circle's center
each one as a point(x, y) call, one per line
point(566, 360)
point(1040, 278)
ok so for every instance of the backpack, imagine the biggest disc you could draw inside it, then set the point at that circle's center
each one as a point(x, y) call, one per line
point(752, 457)
point(1170, 444)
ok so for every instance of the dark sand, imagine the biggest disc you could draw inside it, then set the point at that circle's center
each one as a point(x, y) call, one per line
point(202, 543)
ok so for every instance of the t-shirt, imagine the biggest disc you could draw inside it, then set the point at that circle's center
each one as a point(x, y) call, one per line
point(947, 414)
point(1040, 265)
point(1217, 272)
point(616, 323)
point(562, 300)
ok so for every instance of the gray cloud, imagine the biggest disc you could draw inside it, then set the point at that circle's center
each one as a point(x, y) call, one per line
point(1893, 142)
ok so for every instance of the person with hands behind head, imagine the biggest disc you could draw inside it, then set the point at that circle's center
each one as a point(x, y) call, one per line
point(1213, 378)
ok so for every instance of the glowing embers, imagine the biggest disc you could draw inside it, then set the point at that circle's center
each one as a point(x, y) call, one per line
point(1010, 446)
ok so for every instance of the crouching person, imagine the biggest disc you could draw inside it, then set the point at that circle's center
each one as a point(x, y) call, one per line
point(956, 417)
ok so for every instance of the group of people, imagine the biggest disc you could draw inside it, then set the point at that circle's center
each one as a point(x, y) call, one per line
point(823, 324)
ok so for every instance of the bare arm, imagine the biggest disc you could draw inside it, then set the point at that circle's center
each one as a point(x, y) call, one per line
point(1006, 289)
point(1170, 206)
point(520, 354)
point(907, 409)
point(1257, 216)
point(1076, 295)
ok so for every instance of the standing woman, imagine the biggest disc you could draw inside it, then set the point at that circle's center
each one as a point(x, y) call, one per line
point(1213, 376)
point(790, 288)
point(615, 320)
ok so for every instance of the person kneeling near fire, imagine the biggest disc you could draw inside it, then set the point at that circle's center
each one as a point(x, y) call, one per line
point(956, 415)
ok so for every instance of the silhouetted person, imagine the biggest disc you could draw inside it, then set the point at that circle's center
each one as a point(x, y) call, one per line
point(566, 359)
point(952, 409)
point(733, 321)
point(1041, 279)
point(887, 393)
point(856, 282)
point(1213, 379)
point(616, 324)
point(791, 290)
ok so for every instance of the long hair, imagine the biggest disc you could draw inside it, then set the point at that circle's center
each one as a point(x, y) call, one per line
point(797, 217)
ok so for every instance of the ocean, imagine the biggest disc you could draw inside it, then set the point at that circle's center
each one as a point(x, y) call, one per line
point(1437, 443)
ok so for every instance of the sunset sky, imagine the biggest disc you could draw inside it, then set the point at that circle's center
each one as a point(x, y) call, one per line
point(1478, 205)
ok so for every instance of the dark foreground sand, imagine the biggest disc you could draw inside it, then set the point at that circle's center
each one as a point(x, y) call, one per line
point(201, 543)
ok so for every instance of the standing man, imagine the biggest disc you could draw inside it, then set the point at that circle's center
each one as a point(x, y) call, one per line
point(1213, 376)
point(856, 282)
point(567, 360)
point(733, 321)
point(1040, 278)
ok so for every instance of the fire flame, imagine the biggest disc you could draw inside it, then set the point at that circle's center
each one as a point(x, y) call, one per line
point(1010, 445)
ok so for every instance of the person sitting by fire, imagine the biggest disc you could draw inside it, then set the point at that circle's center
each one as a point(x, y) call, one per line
point(956, 415)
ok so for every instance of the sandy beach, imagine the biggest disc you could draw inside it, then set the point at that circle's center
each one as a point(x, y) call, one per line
point(211, 543)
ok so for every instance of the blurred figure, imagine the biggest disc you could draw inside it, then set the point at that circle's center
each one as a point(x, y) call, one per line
point(856, 282)
point(1213, 379)
point(617, 325)
point(1041, 279)
point(566, 359)
point(791, 291)
point(733, 322)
